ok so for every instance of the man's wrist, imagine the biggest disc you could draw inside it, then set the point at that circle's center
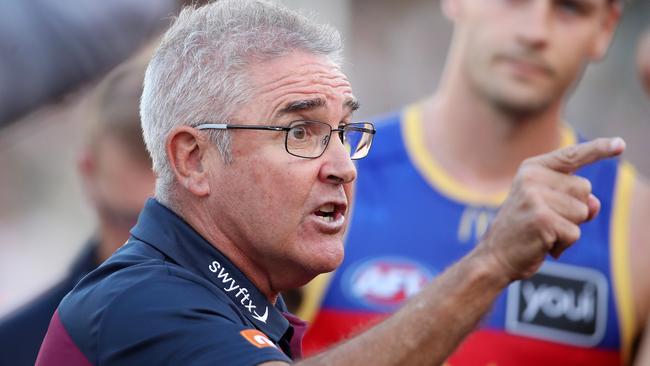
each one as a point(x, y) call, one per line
point(486, 266)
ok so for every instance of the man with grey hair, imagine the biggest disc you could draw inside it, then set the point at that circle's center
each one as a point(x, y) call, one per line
point(238, 109)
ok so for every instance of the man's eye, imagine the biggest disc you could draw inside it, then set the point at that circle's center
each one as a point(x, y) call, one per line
point(572, 7)
point(298, 133)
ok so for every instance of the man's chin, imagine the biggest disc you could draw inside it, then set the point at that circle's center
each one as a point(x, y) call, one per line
point(327, 262)
point(521, 105)
point(313, 271)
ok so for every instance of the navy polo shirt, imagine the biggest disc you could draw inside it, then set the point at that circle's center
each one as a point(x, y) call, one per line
point(22, 332)
point(168, 297)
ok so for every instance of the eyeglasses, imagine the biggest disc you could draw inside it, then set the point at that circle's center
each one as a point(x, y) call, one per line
point(309, 139)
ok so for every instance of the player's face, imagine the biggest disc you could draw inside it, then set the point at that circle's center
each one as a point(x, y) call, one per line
point(523, 55)
point(283, 211)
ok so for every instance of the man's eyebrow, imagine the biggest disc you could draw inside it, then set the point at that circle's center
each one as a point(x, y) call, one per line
point(301, 105)
point(353, 104)
point(306, 104)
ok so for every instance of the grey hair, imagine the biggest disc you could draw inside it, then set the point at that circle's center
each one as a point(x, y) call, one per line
point(199, 71)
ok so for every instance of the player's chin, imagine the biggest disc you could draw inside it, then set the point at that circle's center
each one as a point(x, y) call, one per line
point(523, 101)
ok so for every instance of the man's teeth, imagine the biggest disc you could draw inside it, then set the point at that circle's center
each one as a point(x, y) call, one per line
point(329, 208)
point(327, 218)
point(327, 212)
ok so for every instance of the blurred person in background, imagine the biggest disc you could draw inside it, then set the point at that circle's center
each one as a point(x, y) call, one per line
point(49, 48)
point(643, 63)
point(442, 167)
point(643, 60)
point(114, 151)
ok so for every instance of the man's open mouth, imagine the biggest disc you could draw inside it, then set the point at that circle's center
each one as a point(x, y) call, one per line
point(330, 212)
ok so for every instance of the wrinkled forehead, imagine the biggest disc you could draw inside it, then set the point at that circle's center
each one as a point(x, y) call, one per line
point(300, 81)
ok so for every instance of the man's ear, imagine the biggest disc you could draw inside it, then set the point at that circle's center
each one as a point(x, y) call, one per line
point(604, 38)
point(87, 169)
point(187, 151)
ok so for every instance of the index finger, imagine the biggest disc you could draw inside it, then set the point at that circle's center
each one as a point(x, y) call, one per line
point(569, 159)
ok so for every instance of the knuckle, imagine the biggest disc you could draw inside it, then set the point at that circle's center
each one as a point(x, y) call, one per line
point(528, 162)
point(531, 195)
point(573, 234)
point(586, 185)
point(549, 238)
point(580, 187)
point(529, 174)
point(570, 154)
point(583, 212)
point(565, 160)
point(542, 217)
point(577, 234)
point(568, 157)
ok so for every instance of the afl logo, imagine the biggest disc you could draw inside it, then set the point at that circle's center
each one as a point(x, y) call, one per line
point(385, 282)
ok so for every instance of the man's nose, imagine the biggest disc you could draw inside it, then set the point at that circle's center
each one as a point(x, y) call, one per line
point(337, 166)
point(534, 24)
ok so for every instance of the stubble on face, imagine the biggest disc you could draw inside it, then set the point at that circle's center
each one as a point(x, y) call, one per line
point(516, 81)
point(268, 197)
point(521, 69)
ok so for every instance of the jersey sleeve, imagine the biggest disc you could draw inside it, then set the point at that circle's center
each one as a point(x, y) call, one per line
point(178, 322)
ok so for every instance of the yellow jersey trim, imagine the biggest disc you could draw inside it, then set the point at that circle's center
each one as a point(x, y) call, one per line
point(434, 173)
point(620, 257)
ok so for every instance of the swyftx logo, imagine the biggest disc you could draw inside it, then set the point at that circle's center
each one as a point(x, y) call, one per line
point(239, 293)
point(560, 303)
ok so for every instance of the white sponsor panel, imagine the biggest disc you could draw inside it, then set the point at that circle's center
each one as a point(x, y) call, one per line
point(561, 303)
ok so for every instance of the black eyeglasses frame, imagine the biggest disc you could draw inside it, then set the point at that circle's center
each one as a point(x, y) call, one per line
point(355, 126)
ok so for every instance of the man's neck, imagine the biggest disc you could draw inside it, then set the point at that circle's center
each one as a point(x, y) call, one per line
point(198, 217)
point(481, 147)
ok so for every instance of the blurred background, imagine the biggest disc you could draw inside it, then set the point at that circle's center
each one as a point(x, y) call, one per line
point(52, 54)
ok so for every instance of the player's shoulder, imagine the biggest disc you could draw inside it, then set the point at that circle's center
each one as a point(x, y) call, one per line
point(640, 206)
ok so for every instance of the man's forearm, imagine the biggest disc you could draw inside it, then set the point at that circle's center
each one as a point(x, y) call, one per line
point(545, 205)
point(431, 325)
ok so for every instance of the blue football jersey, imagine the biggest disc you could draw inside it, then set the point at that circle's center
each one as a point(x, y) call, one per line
point(411, 220)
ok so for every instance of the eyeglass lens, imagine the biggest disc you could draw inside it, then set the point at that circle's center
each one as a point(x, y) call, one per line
point(358, 139)
point(309, 139)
